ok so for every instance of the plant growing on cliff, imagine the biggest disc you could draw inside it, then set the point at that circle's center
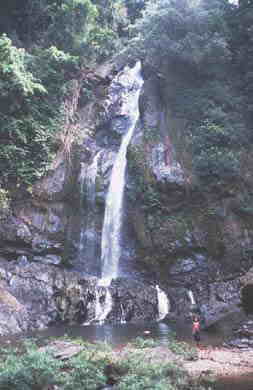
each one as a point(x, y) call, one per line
point(4, 202)
point(52, 50)
point(195, 52)
point(216, 151)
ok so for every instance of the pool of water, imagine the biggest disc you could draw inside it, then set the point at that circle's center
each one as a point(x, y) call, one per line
point(119, 334)
point(113, 334)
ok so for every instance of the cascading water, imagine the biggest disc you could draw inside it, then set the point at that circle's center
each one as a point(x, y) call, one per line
point(103, 308)
point(191, 297)
point(111, 249)
point(123, 315)
point(131, 82)
point(127, 86)
point(163, 303)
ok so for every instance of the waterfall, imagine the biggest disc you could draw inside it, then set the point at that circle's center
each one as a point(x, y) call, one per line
point(110, 248)
point(88, 176)
point(102, 309)
point(163, 303)
point(129, 83)
point(123, 315)
point(191, 297)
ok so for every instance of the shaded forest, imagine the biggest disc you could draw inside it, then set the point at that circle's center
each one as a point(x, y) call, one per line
point(48, 46)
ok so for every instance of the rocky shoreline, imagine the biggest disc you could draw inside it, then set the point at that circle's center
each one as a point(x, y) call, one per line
point(221, 362)
point(212, 361)
point(217, 367)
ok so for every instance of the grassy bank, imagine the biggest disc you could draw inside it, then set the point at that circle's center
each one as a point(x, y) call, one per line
point(66, 365)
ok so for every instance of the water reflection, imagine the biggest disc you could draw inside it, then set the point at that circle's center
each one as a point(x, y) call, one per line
point(113, 334)
point(125, 332)
point(121, 333)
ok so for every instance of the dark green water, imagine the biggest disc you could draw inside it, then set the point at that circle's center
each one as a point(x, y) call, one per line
point(119, 334)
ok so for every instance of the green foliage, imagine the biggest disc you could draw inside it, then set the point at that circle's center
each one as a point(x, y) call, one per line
point(24, 139)
point(141, 343)
point(34, 370)
point(178, 347)
point(102, 43)
point(4, 201)
point(59, 40)
point(85, 373)
point(15, 78)
point(134, 8)
point(175, 32)
point(151, 134)
point(31, 369)
point(184, 349)
point(240, 20)
point(73, 26)
point(32, 112)
point(216, 152)
point(140, 374)
point(144, 188)
point(205, 49)
point(71, 22)
point(195, 48)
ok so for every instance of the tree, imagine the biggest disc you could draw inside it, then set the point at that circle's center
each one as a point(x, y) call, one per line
point(49, 44)
point(241, 24)
point(189, 45)
point(30, 108)
point(134, 8)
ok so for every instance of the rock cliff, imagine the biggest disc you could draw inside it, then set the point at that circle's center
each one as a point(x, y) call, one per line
point(176, 233)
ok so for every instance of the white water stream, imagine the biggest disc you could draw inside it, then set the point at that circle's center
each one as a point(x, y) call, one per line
point(102, 309)
point(163, 303)
point(131, 82)
point(111, 248)
point(191, 297)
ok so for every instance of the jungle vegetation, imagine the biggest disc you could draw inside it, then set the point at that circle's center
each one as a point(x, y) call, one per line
point(47, 46)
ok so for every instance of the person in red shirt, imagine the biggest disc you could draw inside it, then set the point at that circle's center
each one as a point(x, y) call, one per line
point(196, 329)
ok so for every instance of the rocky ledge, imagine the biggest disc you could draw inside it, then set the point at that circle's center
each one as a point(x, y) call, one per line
point(35, 296)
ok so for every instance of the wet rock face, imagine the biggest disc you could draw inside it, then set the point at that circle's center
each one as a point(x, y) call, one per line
point(185, 235)
point(35, 296)
point(55, 225)
point(13, 315)
point(174, 232)
point(54, 186)
point(34, 239)
point(134, 301)
point(214, 295)
point(15, 230)
point(242, 337)
point(223, 299)
point(36, 227)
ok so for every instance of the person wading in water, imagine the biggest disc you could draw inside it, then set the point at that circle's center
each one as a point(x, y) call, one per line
point(196, 329)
